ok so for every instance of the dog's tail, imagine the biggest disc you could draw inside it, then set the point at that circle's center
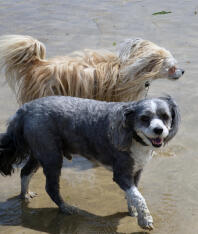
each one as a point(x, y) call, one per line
point(17, 55)
point(13, 149)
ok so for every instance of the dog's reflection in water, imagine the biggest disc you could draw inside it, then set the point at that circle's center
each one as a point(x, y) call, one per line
point(16, 212)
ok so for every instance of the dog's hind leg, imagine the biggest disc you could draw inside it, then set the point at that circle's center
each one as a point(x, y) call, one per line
point(47, 149)
point(26, 174)
point(52, 171)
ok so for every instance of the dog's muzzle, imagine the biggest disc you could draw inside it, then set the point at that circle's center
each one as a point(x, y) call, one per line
point(177, 74)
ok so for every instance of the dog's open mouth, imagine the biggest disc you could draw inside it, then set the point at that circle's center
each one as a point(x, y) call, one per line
point(156, 142)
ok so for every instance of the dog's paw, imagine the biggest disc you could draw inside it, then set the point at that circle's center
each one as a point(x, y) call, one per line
point(145, 221)
point(132, 211)
point(28, 196)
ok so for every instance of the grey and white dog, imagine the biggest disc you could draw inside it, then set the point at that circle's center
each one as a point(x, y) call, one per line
point(118, 135)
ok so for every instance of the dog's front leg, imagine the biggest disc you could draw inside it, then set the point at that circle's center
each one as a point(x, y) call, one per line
point(135, 199)
point(123, 177)
point(131, 207)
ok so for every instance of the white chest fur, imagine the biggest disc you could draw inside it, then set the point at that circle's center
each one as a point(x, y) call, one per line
point(140, 154)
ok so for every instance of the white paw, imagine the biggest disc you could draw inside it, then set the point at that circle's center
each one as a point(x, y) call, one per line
point(145, 221)
point(28, 196)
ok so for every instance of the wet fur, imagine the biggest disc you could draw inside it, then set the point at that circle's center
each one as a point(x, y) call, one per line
point(48, 128)
point(100, 75)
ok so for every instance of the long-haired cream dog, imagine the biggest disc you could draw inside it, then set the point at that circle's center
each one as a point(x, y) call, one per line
point(100, 75)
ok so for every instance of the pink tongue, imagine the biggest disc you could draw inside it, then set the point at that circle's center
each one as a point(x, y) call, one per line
point(157, 141)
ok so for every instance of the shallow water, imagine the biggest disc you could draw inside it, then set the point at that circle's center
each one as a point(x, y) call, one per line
point(169, 182)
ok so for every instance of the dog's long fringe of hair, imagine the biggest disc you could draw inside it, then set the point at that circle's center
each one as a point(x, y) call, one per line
point(99, 75)
point(12, 145)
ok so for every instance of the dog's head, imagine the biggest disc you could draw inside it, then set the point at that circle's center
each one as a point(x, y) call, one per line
point(142, 58)
point(151, 122)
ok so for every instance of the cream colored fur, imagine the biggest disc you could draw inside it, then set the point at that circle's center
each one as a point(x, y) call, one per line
point(100, 75)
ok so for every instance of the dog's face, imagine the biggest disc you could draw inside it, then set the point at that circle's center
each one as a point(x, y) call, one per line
point(169, 67)
point(153, 122)
point(144, 58)
point(156, 121)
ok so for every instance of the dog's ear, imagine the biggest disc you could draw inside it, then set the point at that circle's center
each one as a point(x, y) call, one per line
point(121, 128)
point(175, 114)
point(126, 47)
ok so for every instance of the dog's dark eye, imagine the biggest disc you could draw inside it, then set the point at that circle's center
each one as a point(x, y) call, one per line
point(145, 118)
point(165, 117)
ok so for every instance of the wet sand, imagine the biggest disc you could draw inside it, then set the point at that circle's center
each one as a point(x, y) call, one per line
point(169, 182)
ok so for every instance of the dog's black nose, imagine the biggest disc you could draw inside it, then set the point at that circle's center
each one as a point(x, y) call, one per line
point(158, 130)
point(183, 72)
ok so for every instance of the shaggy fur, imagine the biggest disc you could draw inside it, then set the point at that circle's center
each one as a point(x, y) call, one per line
point(120, 136)
point(99, 75)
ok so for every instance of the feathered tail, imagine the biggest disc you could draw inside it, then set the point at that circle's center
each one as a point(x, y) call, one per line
point(12, 145)
point(17, 55)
